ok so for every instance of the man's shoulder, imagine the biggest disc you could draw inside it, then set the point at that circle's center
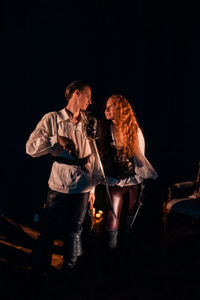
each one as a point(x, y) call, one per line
point(61, 114)
point(49, 115)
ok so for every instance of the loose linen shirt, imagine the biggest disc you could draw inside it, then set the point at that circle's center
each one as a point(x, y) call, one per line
point(43, 140)
point(143, 168)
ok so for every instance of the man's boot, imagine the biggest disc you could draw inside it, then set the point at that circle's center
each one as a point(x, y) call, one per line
point(73, 249)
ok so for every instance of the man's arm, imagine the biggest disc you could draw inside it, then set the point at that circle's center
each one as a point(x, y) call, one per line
point(44, 140)
point(41, 139)
point(91, 199)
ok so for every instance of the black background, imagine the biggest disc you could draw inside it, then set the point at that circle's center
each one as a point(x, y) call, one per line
point(146, 50)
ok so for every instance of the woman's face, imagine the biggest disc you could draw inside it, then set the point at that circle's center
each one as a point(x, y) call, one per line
point(110, 109)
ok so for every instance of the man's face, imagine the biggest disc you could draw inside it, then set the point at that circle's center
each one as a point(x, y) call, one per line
point(85, 98)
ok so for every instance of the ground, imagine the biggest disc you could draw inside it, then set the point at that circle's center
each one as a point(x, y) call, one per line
point(160, 265)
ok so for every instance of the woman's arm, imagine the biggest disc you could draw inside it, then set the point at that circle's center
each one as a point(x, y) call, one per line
point(141, 141)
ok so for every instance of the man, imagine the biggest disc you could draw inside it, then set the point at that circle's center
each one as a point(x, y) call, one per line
point(63, 134)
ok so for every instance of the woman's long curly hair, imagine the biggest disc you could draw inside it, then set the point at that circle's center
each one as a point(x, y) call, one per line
point(126, 125)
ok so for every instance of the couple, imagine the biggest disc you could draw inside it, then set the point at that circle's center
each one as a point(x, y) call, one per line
point(67, 136)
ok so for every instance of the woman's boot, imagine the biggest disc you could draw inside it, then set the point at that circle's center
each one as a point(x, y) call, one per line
point(111, 238)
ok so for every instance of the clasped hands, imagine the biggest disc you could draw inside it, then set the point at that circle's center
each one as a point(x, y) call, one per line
point(68, 145)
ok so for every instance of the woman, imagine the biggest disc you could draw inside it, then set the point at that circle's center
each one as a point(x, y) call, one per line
point(125, 165)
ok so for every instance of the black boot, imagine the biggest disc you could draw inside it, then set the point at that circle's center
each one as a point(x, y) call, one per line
point(111, 238)
point(73, 249)
point(125, 242)
point(111, 242)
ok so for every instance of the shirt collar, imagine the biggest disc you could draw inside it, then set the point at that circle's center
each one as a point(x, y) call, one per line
point(63, 115)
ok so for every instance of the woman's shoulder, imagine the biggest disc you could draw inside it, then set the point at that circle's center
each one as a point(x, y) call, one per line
point(140, 132)
point(141, 140)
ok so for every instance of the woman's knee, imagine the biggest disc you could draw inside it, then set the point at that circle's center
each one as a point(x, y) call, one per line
point(111, 222)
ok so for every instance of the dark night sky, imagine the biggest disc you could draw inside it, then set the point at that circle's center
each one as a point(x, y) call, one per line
point(145, 50)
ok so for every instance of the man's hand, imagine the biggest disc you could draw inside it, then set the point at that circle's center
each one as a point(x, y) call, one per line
point(83, 161)
point(66, 143)
point(91, 200)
